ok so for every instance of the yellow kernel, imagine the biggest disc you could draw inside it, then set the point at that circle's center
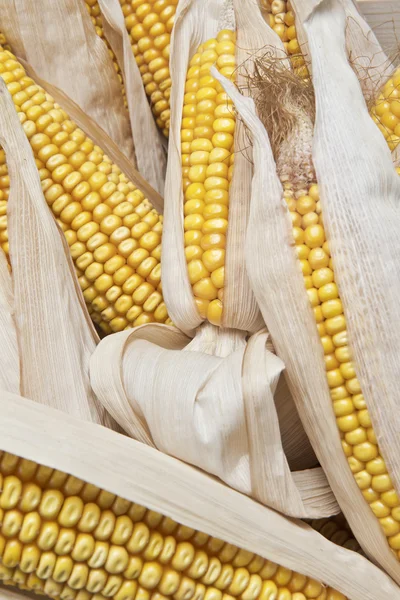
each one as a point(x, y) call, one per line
point(357, 436)
point(365, 451)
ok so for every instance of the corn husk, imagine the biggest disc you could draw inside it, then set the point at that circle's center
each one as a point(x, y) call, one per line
point(9, 354)
point(149, 144)
point(222, 416)
point(141, 474)
point(368, 59)
point(277, 279)
point(60, 42)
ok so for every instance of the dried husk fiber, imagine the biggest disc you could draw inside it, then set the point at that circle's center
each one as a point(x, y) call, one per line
point(141, 474)
point(347, 145)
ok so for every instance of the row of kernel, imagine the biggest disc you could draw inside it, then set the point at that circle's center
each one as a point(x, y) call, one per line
point(208, 126)
point(281, 19)
point(149, 25)
point(352, 417)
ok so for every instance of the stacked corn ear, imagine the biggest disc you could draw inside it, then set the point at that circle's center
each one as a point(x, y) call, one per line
point(63, 536)
point(207, 138)
point(113, 231)
point(66, 536)
point(209, 206)
point(337, 346)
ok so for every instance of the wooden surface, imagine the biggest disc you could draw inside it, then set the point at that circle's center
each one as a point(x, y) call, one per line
point(384, 18)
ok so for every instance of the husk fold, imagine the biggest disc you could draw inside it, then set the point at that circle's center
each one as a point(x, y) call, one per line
point(216, 402)
point(276, 277)
point(140, 474)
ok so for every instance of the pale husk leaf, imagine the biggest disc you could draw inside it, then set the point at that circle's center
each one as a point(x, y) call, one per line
point(360, 197)
point(58, 39)
point(9, 355)
point(141, 474)
point(221, 416)
point(255, 38)
point(279, 288)
point(55, 334)
point(150, 155)
point(99, 137)
point(240, 308)
point(368, 59)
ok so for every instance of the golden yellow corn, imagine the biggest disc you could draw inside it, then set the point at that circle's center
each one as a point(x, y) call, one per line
point(358, 438)
point(149, 25)
point(113, 232)
point(71, 540)
point(281, 19)
point(386, 111)
point(207, 134)
point(97, 20)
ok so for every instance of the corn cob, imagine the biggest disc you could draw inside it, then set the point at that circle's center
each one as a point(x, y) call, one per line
point(68, 539)
point(97, 20)
point(149, 25)
point(358, 438)
point(207, 132)
point(113, 231)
